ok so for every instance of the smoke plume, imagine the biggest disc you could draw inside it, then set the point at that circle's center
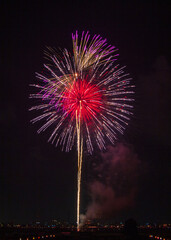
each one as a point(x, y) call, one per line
point(115, 185)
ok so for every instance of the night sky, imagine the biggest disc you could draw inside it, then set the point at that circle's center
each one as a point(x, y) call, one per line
point(37, 180)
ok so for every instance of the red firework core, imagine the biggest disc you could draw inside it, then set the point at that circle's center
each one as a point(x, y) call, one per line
point(82, 98)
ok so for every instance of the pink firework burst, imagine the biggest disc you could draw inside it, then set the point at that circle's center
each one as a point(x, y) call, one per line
point(87, 85)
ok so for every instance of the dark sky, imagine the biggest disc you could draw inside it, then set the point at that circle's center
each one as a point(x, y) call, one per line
point(37, 180)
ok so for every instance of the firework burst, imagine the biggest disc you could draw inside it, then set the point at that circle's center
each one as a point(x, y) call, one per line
point(84, 97)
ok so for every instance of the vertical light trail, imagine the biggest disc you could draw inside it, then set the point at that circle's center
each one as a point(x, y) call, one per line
point(80, 156)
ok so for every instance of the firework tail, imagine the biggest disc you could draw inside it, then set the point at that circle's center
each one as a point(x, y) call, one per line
point(80, 157)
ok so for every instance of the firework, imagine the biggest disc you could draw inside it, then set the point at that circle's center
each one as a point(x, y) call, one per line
point(84, 98)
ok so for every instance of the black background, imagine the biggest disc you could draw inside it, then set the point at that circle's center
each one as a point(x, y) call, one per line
point(37, 180)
